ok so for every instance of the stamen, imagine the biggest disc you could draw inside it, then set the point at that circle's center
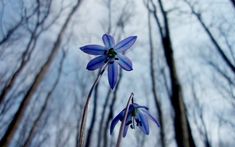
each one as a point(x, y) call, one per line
point(138, 122)
point(132, 127)
point(133, 123)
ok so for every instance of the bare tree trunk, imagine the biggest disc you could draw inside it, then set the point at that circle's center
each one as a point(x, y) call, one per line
point(201, 128)
point(180, 120)
point(152, 75)
point(99, 138)
point(110, 115)
point(10, 32)
point(26, 55)
point(109, 16)
point(103, 118)
point(220, 50)
point(14, 124)
point(25, 58)
point(90, 130)
point(78, 110)
point(36, 123)
point(181, 125)
point(233, 2)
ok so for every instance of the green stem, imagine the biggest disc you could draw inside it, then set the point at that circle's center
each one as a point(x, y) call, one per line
point(85, 109)
point(124, 121)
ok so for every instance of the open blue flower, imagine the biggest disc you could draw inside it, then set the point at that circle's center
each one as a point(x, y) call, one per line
point(137, 116)
point(111, 53)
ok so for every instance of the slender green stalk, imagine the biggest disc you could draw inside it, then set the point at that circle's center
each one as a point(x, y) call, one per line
point(124, 121)
point(85, 109)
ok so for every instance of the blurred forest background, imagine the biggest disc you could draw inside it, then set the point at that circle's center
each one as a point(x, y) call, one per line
point(184, 71)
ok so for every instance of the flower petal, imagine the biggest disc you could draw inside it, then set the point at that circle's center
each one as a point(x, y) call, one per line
point(144, 123)
point(108, 41)
point(125, 62)
point(151, 117)
point(112, 74)
point(114, 122)
point(125, 131)
point(136, 106)
point(96, 63)
point(93, 49)
point(125, 44)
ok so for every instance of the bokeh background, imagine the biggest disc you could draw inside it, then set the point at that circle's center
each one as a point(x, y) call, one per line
point(184, 71)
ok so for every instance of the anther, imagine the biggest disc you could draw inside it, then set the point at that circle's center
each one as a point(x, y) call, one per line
point(132, 127)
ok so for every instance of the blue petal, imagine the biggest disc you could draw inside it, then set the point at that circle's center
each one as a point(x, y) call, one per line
point(131, 108)
point(145, 126)
point(126, 126)
point(151, 117)
point(125, 62)
point(112, 74)
point(125, 131)
point(125, 44)
point(135, 105)
point(96, 63)
point(114, 122)
point(93, 49)
point(108, 41)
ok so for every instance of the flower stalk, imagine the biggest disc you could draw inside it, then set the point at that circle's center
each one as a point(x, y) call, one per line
point(85, 109)
point(131, 99)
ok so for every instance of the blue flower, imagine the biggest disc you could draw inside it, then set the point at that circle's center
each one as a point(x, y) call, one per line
point(137, 116)
point(112, 54)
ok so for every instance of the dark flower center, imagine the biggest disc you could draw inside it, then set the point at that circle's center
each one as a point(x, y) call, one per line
point(134, 113)
point(111, 53)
